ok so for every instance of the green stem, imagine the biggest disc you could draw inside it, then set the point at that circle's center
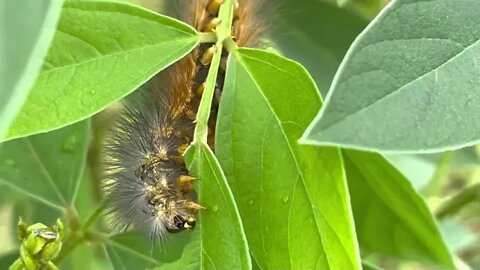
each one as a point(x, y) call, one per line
point(439, 177)
point(229, 44)
point(69, 245)
point(456, 202)
point(208, 37)
point(79, 234)
point(93, 217)
point(72, 218)
point(223, 32)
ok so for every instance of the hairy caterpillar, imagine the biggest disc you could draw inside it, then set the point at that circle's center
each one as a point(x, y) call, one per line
point(148, 186)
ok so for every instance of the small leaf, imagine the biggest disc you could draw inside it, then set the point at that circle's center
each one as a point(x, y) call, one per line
point(322, 48)
point(224, 248)
point(409, 83)
point(48, 166)
point(25, 34)
point(390, 217)
point(101, 52)
point(290, 196)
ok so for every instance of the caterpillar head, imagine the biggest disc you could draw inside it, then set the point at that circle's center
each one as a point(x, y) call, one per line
point(171, 205)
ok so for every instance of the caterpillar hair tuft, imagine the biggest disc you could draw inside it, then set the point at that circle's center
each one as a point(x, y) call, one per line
point(147, 184)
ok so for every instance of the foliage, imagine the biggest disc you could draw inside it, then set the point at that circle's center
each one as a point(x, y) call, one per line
point(286, 187)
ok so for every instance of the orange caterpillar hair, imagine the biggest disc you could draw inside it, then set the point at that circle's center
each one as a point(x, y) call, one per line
point(148, 185)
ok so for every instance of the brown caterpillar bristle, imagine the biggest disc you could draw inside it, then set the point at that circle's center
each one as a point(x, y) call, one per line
point(148, 185)
point(214, 7)
point(248, 25)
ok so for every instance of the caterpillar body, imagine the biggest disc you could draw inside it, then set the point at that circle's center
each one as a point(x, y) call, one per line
point(147, 184)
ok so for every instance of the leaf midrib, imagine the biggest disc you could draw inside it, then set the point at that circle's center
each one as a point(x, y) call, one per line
point(125, 52)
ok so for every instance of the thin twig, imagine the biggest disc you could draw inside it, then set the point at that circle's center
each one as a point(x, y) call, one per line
point(456, 202)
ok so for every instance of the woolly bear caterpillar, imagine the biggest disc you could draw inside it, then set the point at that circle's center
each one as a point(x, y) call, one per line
point(148, 186)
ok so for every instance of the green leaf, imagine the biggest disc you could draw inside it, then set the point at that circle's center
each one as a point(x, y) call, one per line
point(190, 259)
point(418, 169)
point(31, 211)
point(82, 257)
point(223, 241)
point(322, 48)
point(101, 52)
point(290, 196)
point(131, 250)
point(48, 166)
point(390, 217)
point(409, 83)
point(25, 33)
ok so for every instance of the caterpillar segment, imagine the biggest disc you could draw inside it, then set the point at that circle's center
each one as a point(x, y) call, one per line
point(147, 184)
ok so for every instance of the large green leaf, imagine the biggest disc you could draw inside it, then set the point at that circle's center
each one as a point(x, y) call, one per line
point(409, 82)
point(390, 217)
point(323, 31)
point(47, 167)
point(101, 52)
point(26, 29)
point(290, 196)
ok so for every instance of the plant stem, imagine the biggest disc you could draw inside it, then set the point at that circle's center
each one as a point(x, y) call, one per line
point(439, 177)
point(79, 234)
point(223, 32)
point(93, 217)
point(69, 245)
point(462, 198)
point(208, 37)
